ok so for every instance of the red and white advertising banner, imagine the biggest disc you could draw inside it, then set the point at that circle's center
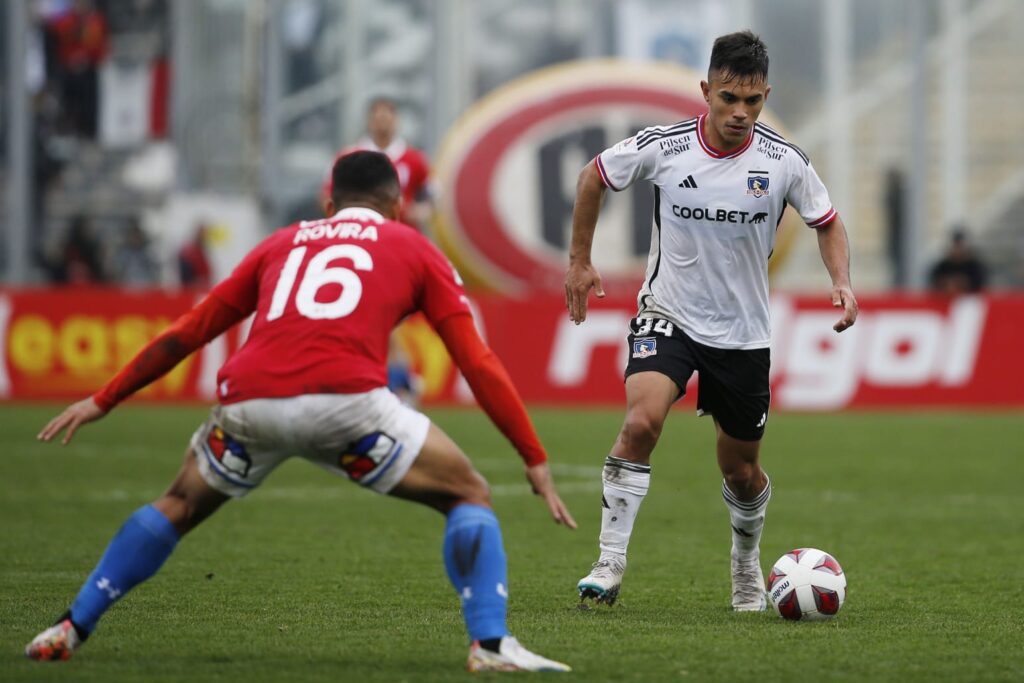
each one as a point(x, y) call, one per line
point(903, 352)
point(66, 343)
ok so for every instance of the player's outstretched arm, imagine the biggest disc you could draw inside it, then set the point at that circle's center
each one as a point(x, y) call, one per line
point(73, 417)
point(835, 252)
point(209, 319)
point(496, 394)
point(582, 275)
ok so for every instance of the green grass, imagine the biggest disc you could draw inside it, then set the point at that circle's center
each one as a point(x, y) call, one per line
point(313, 579)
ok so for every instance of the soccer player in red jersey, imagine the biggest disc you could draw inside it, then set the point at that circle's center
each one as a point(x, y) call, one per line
point(311, 381)
point(410, 163)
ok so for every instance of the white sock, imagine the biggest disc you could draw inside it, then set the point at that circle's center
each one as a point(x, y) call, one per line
point(747, 519)
point(625, 485)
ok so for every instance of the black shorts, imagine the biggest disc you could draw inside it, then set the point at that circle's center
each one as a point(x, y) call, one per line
point(732, 383)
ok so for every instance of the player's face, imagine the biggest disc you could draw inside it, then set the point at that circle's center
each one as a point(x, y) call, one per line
point(733, 107)
point(382, 122)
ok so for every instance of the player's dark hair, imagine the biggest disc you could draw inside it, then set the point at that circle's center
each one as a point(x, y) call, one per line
point(739, 55)
point(364, 176)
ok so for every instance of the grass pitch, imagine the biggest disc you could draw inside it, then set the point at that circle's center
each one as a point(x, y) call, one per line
point(313, 579)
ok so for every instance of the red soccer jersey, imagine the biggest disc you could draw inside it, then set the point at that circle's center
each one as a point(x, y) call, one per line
point(327, 294)
point(409, 162)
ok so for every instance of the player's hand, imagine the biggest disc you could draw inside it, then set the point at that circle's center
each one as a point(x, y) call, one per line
point(842, 297)
point(543, 485)
point(578, 281)
point(73, 417)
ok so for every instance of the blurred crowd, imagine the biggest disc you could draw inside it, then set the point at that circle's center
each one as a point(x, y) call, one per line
point(98, 73)
point(88, 256)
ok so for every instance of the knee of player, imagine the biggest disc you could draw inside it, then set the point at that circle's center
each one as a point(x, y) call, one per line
point(469, 486)
point(641, 430)
point(185, 509)
point(739, 476)
point(477, 489)
point(179, 510)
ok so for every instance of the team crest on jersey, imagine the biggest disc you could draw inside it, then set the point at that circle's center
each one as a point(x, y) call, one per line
point(757, 185)
point(366, 455)
point(228, 452)
point(645, 348)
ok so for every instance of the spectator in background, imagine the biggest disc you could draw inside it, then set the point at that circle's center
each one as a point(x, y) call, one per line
point(80, 42)
point(78, 261)
point(410, 163)
point(134, 264)
point(413, 176)
point(193, 265)
point(959, 271)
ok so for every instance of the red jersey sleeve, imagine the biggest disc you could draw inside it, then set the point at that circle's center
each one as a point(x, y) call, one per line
point(208, 320)
point(419, 172)
point(491, 386)
point(228, 303)
point(441, 294)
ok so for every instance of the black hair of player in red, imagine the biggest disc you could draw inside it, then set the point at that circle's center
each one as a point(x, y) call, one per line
point(739, 55)
point(364, 175)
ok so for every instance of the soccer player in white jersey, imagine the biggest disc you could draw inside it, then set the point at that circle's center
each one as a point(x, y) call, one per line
point(721, 183)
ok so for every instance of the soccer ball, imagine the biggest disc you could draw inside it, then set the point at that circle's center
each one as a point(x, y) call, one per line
point(807, 583)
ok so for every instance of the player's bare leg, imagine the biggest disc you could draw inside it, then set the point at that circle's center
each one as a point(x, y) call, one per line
point(135, 554)
point(443, 478)
point(627, 476)
point(189, 500)
point(746, 490)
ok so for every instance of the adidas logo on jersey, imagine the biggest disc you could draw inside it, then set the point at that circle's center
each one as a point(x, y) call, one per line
point(689, 183)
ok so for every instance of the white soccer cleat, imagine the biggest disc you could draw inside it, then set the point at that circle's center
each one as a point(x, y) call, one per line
point(604, 580)
point(748, 594)
point(56, 642)
point(511, 656)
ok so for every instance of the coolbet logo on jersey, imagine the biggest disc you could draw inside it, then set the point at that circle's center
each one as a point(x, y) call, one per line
point(718, 215)
point(507, 171)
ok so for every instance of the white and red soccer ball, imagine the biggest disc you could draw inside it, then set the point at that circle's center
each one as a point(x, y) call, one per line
point(807, 584)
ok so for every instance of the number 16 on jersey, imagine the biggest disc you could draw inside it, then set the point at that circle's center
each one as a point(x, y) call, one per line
point(319, 274)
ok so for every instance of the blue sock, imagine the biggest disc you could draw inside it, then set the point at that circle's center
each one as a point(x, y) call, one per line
point(475, 560)
point(136, 553)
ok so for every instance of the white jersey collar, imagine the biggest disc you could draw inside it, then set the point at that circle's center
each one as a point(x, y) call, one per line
point(357, 213)
point(394, 151)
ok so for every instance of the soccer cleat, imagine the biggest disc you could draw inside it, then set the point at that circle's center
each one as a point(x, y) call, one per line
point(56, 642)
point(748, 594)
point(511, 656)
point(604, 580)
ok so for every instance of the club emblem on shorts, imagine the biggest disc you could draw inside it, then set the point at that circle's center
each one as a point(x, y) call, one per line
point(757, 185)
point(228, 452)
point(366, 454)
point(645, 348)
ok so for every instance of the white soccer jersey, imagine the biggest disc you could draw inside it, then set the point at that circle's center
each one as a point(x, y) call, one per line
point(715, 218)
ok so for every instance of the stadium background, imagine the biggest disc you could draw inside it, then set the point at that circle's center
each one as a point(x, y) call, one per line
point(224, 117)
point(220, 119)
